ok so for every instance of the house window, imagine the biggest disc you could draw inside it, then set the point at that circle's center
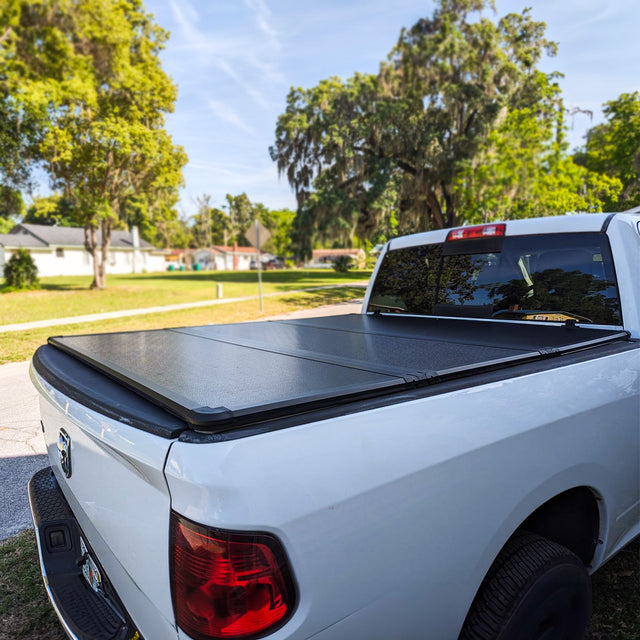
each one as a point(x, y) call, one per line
point(59, 253)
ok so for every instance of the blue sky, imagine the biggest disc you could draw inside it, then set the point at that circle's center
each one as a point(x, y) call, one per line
point(235, 60)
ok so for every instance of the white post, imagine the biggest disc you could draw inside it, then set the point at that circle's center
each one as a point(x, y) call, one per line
point(135, 241)
point(259, 265)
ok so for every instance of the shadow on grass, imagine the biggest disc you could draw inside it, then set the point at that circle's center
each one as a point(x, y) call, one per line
point(50, 286)
point(6, 291)
point(326, 296)
point(282, 277)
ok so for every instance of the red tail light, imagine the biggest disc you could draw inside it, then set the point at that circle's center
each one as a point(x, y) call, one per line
point(226, 584)
point(479, 231)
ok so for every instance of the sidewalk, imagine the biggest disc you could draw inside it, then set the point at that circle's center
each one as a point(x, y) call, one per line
point(93, 317)
point(22, 450)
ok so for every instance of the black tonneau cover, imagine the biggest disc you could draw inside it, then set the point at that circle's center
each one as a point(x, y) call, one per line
point(218, 377)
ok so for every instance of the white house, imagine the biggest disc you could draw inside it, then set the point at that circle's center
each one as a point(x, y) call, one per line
point(59, 251)
point(224, 258)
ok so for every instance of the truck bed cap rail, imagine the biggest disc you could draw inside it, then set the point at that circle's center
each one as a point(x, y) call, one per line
point(217, 377)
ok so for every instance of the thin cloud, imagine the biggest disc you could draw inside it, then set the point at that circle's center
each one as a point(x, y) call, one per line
point(227, 69)
point(229, 115)
point(262, 16)
point(258, 183)
point(580, 26)
point(247, 60)
point(187, 17)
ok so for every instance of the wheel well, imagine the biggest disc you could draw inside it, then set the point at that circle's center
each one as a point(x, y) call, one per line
point(571, 519)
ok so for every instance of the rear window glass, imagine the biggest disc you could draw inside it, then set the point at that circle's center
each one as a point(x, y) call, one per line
point(555, 277)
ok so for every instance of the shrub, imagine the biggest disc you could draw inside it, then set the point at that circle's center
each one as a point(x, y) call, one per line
point(342, 264)
point(370, 262)
point(21, 272)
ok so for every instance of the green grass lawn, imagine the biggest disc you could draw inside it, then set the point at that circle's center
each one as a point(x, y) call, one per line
point(70, 296)
point(16, 346)
point(616, 598)
point(25, 613)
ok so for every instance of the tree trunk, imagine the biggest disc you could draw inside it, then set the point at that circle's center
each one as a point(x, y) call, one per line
point(435, 210)
point(101, 259)
point(451, 210)
point(105, 228)
point(91, 245)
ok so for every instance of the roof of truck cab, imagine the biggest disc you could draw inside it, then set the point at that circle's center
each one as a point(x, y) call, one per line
point(573, 223)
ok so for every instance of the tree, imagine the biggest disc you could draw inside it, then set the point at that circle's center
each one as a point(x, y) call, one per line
point(90, 75)
point(220, 226)
point(52, 210)
point(390, 148)
point(279, 222)
point(211, 226)
point(241, 215)
point(173, 233)
point(214, 226)
point(613, 147)
point(523, 171)
point(11, 208)
point(152, 206)
point(20, 128)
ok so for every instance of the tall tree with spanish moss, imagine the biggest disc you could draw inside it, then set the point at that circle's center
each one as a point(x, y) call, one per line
point(385, 151)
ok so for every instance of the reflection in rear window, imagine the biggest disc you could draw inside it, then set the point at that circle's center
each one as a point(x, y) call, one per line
point(555, 277)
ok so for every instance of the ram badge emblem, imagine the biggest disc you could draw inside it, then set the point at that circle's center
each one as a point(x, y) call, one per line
point(64, 452)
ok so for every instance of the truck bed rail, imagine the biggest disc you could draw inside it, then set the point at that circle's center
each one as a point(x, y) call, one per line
point(217, 377)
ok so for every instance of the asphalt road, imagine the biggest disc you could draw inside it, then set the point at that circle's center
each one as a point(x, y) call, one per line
point(22, 450)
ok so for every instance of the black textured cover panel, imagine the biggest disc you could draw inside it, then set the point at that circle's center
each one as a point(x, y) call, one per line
point(217, 376)
point(88, 386)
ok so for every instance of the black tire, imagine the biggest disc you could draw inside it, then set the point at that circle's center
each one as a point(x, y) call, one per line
point(535, 590)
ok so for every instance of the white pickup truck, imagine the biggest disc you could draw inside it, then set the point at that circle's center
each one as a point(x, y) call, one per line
point(454, 462)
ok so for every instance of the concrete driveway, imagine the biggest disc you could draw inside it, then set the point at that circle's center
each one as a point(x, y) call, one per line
point(22, 450)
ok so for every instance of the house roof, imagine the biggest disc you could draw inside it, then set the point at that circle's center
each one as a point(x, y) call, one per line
point(223, 249)
point(20, 240)
point(219, 248)
point(40, 235)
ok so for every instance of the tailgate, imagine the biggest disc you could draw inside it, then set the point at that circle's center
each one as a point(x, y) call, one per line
point(111, 475)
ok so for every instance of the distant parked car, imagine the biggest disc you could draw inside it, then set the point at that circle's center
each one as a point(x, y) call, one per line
point(274, 263)
point(269, 262)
